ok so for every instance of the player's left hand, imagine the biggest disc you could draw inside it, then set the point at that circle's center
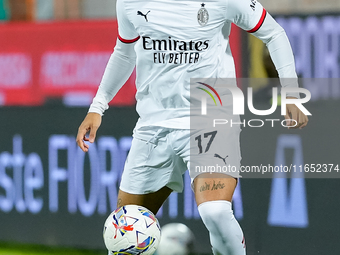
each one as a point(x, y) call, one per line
point(294, 113)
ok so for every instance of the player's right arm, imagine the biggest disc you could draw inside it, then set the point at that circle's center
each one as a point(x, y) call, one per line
point(90, 124)
point(117, 72)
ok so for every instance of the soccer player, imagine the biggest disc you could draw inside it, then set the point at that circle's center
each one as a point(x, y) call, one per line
point(170, 42)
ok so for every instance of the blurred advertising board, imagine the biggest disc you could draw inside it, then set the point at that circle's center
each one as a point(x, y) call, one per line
point(315, 43)
point(65, 60)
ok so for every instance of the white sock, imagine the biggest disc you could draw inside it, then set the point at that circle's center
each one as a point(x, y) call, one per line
point(226, 236)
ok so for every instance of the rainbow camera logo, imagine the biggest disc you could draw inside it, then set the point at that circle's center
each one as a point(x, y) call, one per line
point(209, 93)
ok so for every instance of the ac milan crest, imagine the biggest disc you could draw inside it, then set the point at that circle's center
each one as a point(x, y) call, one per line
point(202, 15)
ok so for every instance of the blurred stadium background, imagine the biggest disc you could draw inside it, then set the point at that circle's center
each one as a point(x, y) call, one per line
point(54, 199)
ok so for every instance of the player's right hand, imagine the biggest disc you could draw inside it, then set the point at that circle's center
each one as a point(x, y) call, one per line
point(90, 124)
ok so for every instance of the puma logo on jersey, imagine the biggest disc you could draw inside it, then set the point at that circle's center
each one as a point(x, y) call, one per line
point(144, 15)
point(218, 156)
point(253, 3)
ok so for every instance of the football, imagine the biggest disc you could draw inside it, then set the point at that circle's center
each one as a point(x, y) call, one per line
point(177, 239)
point(131, 229)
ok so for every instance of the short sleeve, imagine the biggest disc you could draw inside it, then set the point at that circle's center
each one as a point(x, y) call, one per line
point(126, 31)
point(246, 14)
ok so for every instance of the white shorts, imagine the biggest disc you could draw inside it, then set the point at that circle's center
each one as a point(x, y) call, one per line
point(160, 156)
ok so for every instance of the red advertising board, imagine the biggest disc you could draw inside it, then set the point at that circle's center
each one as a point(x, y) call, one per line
point(39, 61)
point(47, 60)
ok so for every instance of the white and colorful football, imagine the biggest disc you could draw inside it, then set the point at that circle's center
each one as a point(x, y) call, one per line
point(131, 229)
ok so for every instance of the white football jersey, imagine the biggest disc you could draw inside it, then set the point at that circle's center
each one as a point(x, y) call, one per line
point(177, 40)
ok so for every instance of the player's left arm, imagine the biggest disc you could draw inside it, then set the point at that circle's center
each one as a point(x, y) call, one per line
point(252, 17)
point(276, 40)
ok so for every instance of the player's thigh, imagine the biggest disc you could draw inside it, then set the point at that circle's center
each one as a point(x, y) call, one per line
point(153, 201)
point(214, 165)
point(212, 187)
